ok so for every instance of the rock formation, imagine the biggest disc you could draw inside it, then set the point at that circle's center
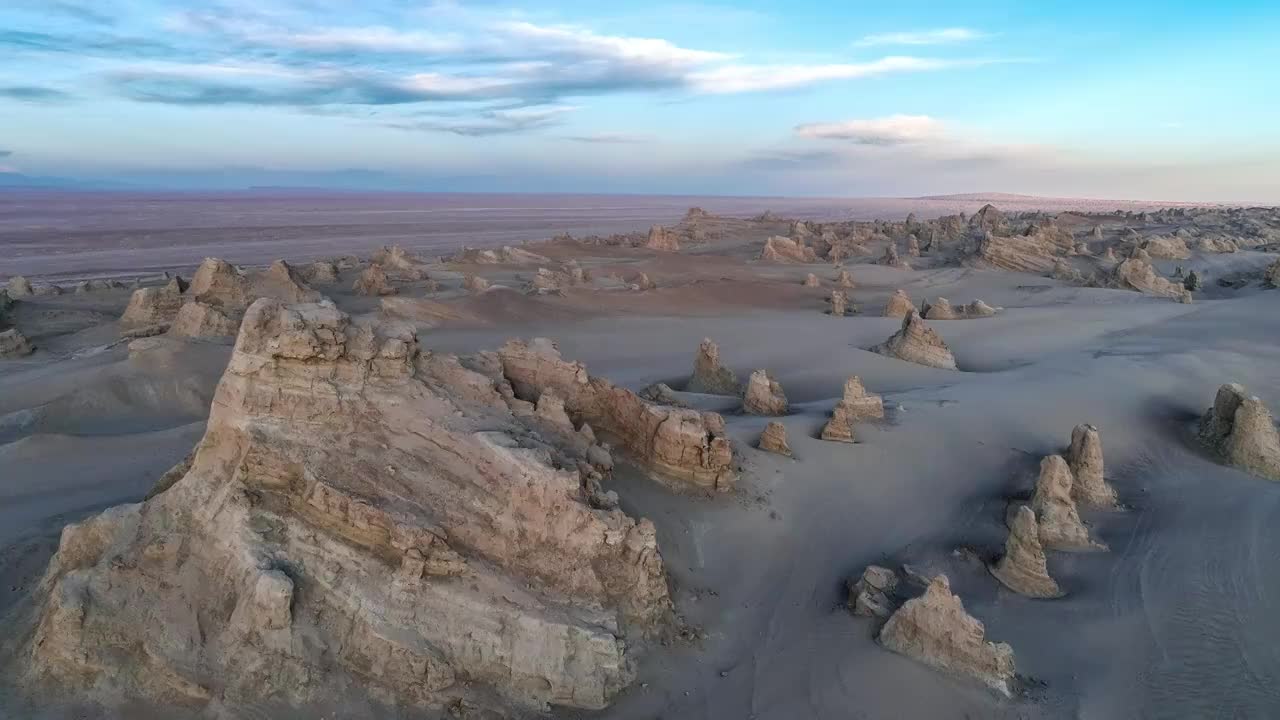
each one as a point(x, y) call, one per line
point(1193, 283)
point(1110, 256)
point(891, 259)
point(680, 444)
point(361, 518)
point(913, 246)
point(811, 280)
point(1055, 508)
point(900, 304)
point(282, 282)
point(870, 595)
point(662, 239)
point(154, 305)
point(941, 309)
point(1137, 274)
point(196, 319)
point(839, 303)
point(1025, 253)
point(1168, 248)
point(916, 342)
point(475, 283)
point(785, 250)
point(14, 344)
point(935, 630)
point(1217, 245)
point(18, 286)
point(400, 263)
point(774, 439)
point(662, 394)
point(988, 218)
point(641, 281)
point(844, 280)
point(373, 281)
point(1023, 569)
point(856, 404)
point(1085, 460)
point(216, 282)
point(321, 272)
point(709, 376)
point(506, 255)
point(764, 395)
point(1240, 430)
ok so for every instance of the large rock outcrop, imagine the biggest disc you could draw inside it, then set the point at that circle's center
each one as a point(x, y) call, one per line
point(154, 305)
point(1240, 430)
point(1023, 253)
point(899, 304)
point(662, 240)
point(684, 445)
point(916, 342)
point(935, 630)
point(763, 395)
point(1060, 525)
point(785, 250)
point(709, 376)
point(1085, 460)
point(856, 404)
point(1137, 274)
point(1023, 568)
point(361, 519)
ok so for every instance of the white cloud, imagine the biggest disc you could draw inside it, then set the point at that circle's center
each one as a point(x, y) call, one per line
point(755, 78)
point(891, 130)
point(943, 36)
point(493, 122)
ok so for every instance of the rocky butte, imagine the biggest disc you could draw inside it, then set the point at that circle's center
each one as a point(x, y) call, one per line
point(366, 518)
point(916, 342)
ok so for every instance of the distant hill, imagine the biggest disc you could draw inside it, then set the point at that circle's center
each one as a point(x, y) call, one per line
point(993, 197)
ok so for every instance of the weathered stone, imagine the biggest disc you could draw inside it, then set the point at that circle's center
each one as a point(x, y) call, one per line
point(1085, 459)
point(321, 272)
point(373, 281)
point(913, 246)
point(1138, 274)
point(400, 264)
point(900, 304)
point(1055, 508)
point(1271, 277)
point(856, 404)
point(1168, 248)
point(308, 553)
point(870, 595)
point(811, 280)
point(1193, 283)
point(709, 376)
point(219, 284)
point(916, 342)
point(839, 303)
point(641, 281)
point(935, 630)
point(941, 309)
point(1240, 430)
point(196, 319)
point(662, 394)
point(154, 305)
point(785, 250)
point(764, 396)
point(18, 286)
point(662, 240)
point(891, 259)
point(475, 283)
point(844, 279)
point(14, 344)
point(1023, 568)
point(774, 439)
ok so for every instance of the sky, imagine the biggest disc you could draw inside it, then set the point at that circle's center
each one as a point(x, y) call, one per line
point(1135, 100)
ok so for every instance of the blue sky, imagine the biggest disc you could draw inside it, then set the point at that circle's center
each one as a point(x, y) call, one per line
point(1155, 100)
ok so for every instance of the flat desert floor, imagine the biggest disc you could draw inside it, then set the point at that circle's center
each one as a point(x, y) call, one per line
point(1178, 618)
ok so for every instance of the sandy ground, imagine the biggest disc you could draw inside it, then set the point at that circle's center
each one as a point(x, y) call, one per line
point(1178, 619)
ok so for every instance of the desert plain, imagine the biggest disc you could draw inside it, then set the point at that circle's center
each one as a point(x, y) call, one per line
point(587, 459)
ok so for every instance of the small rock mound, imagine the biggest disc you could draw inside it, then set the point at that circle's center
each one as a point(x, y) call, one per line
point(1060, 525)
point(642, 281)
point(844, 279)
point(764, 395)
point(709, 376)
point(856, 404)
point(900, 304)
point(1023, 568)
point(373, 281)
point(1240, 430)
point(321, 272)
point(942, 309)
point(935, 630)
point(870, 595)
point(917, 343)
point(14, 344)
point(811, 280)
point(774, 439)
point(475, 283)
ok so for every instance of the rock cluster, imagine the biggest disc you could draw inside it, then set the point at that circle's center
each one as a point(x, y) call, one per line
point(785, 250)
point(855, 405)
point(361, 518)
point(899, 305)
point(942, 309)
point(774, 439)
point(916, 342)
point(764, 395)
point(1240, 430)
point(684, 445)
point(709, 376)
point(935, 630)
point(1023, 568)
point(871, 594)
